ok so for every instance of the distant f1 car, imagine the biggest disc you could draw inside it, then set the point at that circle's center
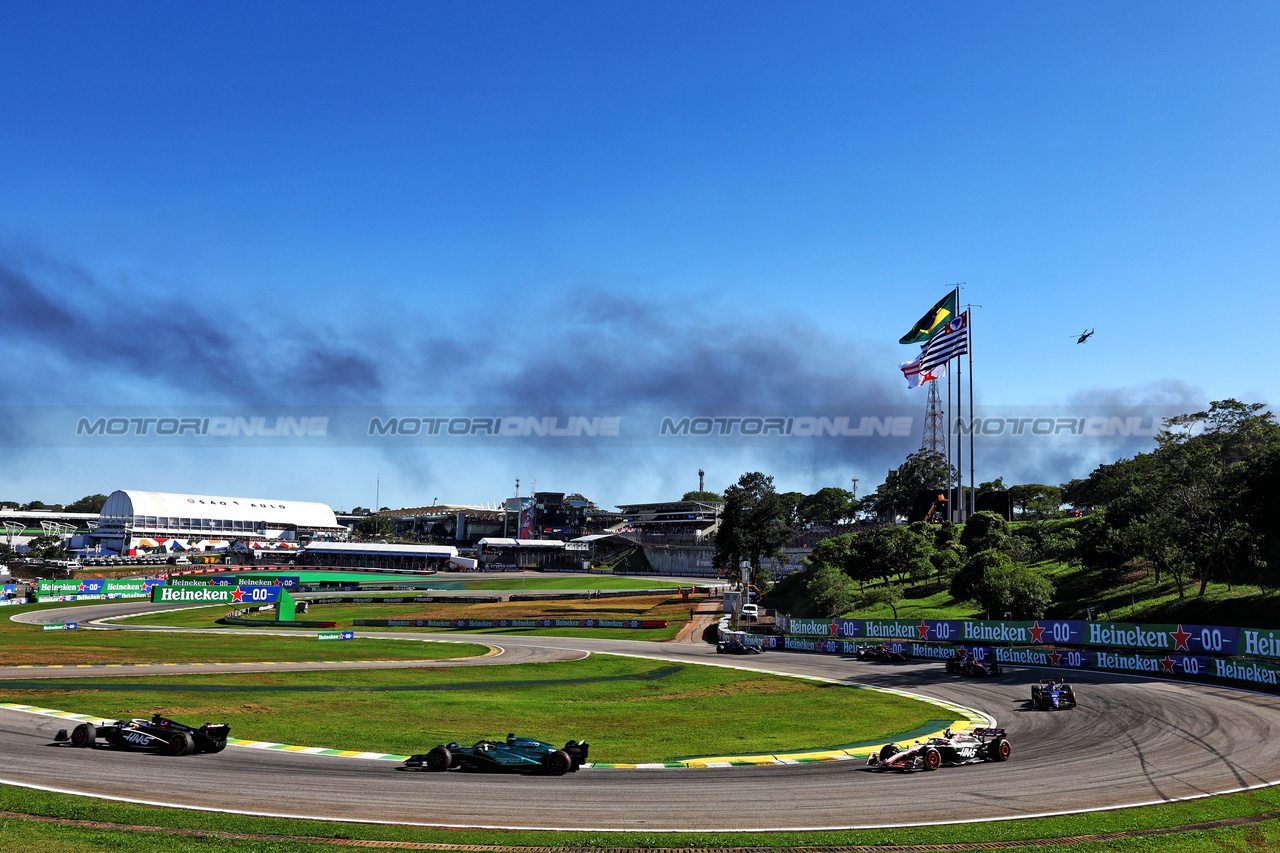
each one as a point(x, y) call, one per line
point(962, 663)
point(517, 753)
point(159, 734)
point(958, 748)
point(737, 643)
point(1051, 694)
point(882, 653)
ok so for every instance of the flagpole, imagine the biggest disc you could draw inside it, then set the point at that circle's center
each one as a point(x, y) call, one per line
point(961, 516)
point(969, 331)
point(951, 510)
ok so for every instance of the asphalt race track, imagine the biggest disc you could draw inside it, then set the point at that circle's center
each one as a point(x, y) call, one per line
point(1131, 741)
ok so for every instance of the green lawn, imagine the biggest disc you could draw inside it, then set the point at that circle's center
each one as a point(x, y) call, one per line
point(28, 645)
point(22, 835)
point(516, 584)
point(629, 710)
point(669, 607)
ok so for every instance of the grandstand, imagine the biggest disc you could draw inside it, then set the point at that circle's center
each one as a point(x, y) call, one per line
point(460, 523)
point(135, 522)
point(693, 521)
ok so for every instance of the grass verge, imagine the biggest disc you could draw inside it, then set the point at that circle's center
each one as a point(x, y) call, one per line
point(18, 835)
point(672, 608)
point(630, 710)
point(28, 645)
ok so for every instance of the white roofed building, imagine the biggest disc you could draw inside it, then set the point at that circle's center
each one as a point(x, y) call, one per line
point(136, 520)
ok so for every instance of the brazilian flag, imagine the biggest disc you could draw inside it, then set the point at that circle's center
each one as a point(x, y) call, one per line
point(932, 322)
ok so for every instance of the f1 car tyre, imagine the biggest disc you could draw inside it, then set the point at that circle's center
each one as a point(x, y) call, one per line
point(998, 750)
point(888, 751)
point(932, 759)
point(180, 743)
point(439, 759)
point(557, 763)
point(84, 735)
point(216, 746)
point(720, 648)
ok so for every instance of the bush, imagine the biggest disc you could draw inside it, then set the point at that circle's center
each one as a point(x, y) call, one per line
point(999, 585)
point(830, 591)
point(985, 530)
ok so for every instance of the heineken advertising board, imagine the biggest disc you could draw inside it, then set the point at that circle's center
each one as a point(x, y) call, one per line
point(96, 586)
point(336, 635)
point(216, 594)
point(1188, 639)
point(232, 580)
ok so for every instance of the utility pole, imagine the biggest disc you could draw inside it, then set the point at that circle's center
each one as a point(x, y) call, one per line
point(855, 488)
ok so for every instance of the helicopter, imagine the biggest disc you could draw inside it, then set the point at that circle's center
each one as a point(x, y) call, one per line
point(1084, 336)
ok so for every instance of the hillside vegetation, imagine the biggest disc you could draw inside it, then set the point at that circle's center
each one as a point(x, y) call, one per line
point(1185, 533)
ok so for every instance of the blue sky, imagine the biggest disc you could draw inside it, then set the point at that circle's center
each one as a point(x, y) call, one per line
point(626, 204)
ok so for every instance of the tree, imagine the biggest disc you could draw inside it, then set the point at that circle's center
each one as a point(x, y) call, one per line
point(924, 469)
point(830, 591)
point(793, 501)
point(88, 503)
point(33, 505)
point(887, 551)
point(374, 527)
point(752, 525)
point(890, 594)
point(1036, 498)
point(985, 530)
point(829, 505)
point(996, 485)
point(998, 585)
point(46, 547)
point(712, 497)
point(1182, 500)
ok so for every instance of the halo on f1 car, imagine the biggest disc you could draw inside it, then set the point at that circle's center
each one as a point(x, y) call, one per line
point(964, 663)
point(952, 748)
point(883, 654)
point(158, 734)
point(1051, 694)
point(516, 753)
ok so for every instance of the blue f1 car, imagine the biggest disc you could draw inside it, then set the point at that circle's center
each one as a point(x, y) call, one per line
point(516, 753)
point(1051, 694)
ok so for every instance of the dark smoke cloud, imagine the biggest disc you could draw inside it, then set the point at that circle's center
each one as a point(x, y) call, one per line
point(105, 341)
point(71, 336)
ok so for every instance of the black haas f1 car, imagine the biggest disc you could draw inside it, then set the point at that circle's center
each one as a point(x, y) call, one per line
point(1051, 694)
point(881, 653)
point(963, 663)
point(517, 753)
point(958, 748)
point(738, 643)
point(159, 734)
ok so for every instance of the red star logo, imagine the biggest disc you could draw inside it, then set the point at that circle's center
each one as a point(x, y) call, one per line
point(1036, 631)
point(1168, 662)
point(1056, 658)
point(82, 587)
point(237, 594)
point(835, 628)
point(924, 630)
point(1180, 638)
